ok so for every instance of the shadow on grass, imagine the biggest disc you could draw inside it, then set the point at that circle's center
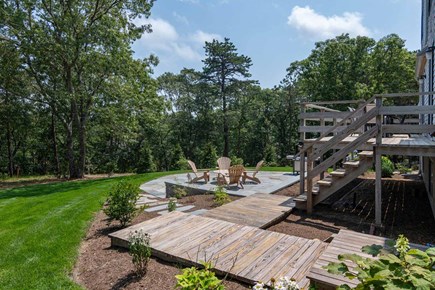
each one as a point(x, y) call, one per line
point(59, 187)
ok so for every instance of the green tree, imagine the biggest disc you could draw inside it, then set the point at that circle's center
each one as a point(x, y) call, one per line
point(225, 69)
point(75, 52)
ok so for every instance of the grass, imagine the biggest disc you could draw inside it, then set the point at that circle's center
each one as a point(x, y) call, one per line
point(41, 227)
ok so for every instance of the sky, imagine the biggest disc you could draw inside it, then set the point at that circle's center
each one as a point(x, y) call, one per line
point(273, 33)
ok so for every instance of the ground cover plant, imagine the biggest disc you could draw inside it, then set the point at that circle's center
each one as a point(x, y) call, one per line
point(199, 279)
point(41, 227)
point(396, 268)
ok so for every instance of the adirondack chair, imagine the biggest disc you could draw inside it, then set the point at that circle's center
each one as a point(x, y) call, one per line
point(224, 163)
point(251, 175)
point(233, 177)
point(198, 174)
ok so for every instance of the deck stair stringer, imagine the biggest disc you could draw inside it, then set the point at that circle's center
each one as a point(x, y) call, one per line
point(337, 179)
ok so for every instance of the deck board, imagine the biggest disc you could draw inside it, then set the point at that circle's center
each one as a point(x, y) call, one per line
point(258, 210)
point(246, 253)
point(345, 242)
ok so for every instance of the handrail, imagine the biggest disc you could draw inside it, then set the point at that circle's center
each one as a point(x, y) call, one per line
point(398, 95)
point(335, 102)
point(343, 152)
point(344, 133)
point(341, 123)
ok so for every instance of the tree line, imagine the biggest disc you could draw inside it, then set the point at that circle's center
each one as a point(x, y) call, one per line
point(74, 100)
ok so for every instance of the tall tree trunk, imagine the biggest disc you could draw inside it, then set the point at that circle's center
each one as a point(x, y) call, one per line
point(82, 146)
point(224, 111)
point(54, 143)
point(9, 145)
point(70, 152)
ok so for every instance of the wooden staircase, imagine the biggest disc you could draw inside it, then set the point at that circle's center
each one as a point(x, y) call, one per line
point(332, 141)
point(337, 179)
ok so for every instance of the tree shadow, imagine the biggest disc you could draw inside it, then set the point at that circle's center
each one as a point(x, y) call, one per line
point(51, 188)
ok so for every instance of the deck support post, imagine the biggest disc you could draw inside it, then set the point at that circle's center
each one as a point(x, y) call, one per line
point(378, 166)
point(309, 182)
point(302, 174)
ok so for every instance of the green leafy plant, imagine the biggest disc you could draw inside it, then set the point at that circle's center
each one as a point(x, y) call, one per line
point(283, 283)
point(236, 160)
point(387, 167)
point(198, 279)
point(179, 192)
point(172, 204)
point(121, 203)
point(140, 251)
point(220, 196)
point(396, 268)
point(402, 169)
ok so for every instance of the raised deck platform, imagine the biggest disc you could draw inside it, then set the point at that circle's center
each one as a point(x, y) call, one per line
point(259, 210)
point(245, 253)
point(401, 145)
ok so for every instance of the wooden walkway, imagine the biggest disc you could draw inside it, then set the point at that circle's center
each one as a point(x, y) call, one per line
point(246, 253)
point(258, 210)
point(345, 242)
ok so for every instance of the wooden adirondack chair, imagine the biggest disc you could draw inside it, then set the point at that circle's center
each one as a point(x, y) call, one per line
point(233, 177)
point(198, 174)
point(251, 175)
point(224, 163)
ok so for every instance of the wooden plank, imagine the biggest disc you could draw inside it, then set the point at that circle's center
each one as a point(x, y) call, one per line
point(416, 129)
point(325, 115)
point(320, 129)
point(406, 110)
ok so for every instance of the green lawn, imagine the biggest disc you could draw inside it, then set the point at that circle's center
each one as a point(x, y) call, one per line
point(41, 227)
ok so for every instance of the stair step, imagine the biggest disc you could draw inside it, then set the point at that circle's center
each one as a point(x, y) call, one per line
point(338, 172)
point(351, 163)
point(315, 190)
point(366, 154)
point(301, 198)
point(325, 182)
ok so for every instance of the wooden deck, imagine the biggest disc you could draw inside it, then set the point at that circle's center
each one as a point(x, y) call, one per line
point(246, 253)
point(345, 242)
point(258, 210)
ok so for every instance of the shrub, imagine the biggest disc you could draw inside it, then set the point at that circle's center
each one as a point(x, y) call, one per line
point(179, 192)
point(283, 283)
point(172, 204)
point(396, 268)
point(220, 196)
point(194, 279)
point(121, 203)
point(208, 156)
point(140, 251)
point(402, 168)
point(387, 167)
point(182, 164)
point(236, 160)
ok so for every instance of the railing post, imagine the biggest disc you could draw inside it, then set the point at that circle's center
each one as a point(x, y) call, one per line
point(302, 156)
point(309, 182)
point(378, 165)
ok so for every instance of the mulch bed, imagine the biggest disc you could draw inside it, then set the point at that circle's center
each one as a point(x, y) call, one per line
point(404, 204)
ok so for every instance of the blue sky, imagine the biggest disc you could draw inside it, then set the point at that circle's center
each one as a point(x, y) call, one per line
point(273, 33)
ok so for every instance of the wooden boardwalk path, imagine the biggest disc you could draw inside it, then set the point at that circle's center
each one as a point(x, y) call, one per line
point(246, 253)
point(259, 210)
point(345, 242)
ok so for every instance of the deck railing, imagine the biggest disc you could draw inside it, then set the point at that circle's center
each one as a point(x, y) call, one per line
point(380, 116)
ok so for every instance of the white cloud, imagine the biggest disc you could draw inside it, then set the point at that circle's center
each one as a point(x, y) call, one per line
point(318, 26)
point(169, 45)
point(180, 18)
point(201, 37)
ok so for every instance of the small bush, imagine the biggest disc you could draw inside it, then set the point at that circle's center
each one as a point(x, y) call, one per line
point(402, 169)
point(387, 167)
point(220, 196)
point(194, 279)
point(182, 164)
point(172, 204)
point(121, 203)
point(180, 192)
point(140, 251)
point(236, 160)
